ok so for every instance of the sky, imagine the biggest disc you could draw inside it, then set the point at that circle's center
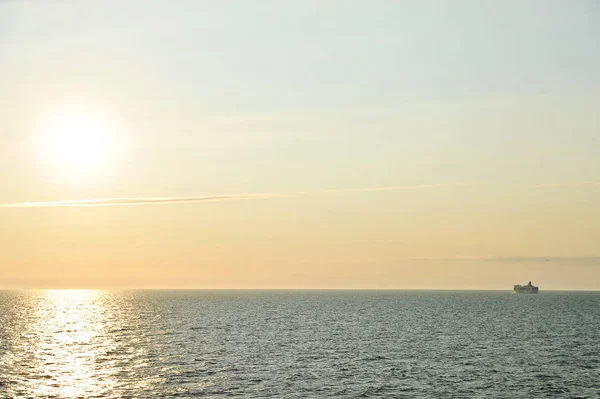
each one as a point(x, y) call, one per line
point(305, 144)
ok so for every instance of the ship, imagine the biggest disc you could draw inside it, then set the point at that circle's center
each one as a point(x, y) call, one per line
point(526, 289)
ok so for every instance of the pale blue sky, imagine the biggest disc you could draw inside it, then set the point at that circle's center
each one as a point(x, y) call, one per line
point(270, 97)
point(311, 81)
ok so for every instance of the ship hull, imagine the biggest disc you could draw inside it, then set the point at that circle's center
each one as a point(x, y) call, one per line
point(518, 291)
point(525, 289)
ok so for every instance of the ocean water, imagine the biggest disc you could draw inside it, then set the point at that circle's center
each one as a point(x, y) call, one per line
point(299, 344)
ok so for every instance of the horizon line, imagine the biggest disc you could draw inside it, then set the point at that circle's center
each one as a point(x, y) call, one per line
point(283, 289)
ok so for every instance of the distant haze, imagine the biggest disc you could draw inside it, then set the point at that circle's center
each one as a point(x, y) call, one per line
point(305, 144)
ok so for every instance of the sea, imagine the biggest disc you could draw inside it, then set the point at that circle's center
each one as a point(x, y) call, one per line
point(299, 344)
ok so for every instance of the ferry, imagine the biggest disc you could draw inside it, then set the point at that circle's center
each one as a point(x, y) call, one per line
point(526, 289)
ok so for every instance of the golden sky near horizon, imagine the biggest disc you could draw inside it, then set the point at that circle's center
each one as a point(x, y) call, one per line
point(230, 146)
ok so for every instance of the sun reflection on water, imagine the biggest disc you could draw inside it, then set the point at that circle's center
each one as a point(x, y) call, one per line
point(70, 337)
point(85, 343)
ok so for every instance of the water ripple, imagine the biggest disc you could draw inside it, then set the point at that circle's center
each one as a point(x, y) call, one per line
point(184, 344)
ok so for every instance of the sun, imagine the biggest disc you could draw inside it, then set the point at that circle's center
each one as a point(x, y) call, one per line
point(77, 144)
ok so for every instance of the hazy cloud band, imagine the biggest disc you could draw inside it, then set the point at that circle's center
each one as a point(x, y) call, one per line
point(593, 259)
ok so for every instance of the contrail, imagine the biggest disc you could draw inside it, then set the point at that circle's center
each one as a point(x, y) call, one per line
point(132, 201)
point(140, 201)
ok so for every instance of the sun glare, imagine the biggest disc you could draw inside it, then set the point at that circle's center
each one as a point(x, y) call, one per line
point(77, 144)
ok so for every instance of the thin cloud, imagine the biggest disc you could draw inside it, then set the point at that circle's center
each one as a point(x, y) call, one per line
point(132, 201)
point(395, 188)
point(574, 184)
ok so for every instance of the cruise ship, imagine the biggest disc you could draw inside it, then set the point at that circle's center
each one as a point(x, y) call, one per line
point(526, 289)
